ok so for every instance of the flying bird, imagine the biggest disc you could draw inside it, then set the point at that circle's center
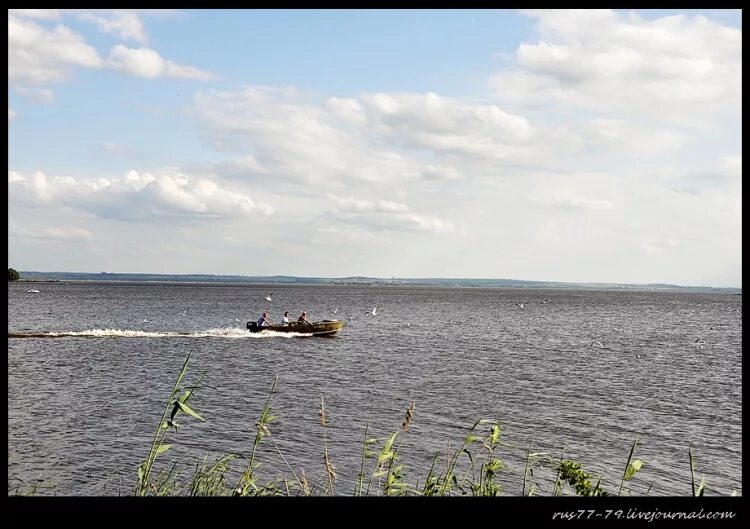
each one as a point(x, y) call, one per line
point(519, 305)
point(374, 312)
point(545, 300)
point(268, 297)
point(597, 344)
point(336, 310)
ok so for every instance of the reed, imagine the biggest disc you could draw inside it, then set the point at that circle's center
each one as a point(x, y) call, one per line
point(158, 446)
point(476, 462)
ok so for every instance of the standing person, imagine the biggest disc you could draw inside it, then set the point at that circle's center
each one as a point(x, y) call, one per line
point(285, 320)
point(303, 318)
point(263, 321)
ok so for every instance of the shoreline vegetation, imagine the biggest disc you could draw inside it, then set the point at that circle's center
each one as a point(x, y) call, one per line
point(31, 276)
point(473, 469)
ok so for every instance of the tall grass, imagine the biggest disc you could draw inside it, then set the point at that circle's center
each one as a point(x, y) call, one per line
point(471, 469)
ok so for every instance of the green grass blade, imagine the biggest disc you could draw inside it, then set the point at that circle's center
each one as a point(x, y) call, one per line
point(184, 407)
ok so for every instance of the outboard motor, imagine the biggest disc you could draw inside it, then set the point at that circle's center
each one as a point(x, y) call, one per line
point(252, 326)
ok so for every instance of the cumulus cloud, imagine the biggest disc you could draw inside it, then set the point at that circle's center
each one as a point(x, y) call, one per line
point(136, 196)
point(376, 138)
point(39, 55)
point(124, 24)
point(145, 62)
point(604, 61)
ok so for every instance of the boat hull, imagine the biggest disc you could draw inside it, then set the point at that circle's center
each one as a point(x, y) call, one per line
point(318, 328)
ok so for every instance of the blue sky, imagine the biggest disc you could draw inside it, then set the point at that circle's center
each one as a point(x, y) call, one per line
point(549, 145)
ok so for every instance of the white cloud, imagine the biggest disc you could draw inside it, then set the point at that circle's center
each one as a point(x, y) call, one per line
point(15, 177)
point(54, 234)
point(570, 200)
point(136, 196)
point(383, 206)
point(187, 72)
point(444, 124)
point(603, 61)
point(348, 110)
point(69, 234)
point(376, 138)
point(631, 137)
point(124, 24)
point(11, 113)
point(142, 62)
point(145, 62)
point(386, 215)
point(437, 172)
point(39, 56)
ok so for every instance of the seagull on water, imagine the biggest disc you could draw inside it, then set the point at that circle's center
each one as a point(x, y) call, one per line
point(374, 311)
point(268, 297)
point(519, 305)
point(146, 321)
point(545, 300)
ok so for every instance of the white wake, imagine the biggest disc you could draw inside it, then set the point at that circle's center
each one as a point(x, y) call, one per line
point(223, 332)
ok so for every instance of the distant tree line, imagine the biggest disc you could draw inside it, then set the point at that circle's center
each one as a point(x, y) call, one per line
point(13, 275)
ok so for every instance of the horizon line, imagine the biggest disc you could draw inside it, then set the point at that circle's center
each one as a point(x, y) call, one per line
point(393, 278)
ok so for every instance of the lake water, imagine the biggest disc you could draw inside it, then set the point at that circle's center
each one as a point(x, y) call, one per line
point(82, 407)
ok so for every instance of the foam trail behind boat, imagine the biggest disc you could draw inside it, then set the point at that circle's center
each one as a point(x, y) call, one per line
point(225, 332)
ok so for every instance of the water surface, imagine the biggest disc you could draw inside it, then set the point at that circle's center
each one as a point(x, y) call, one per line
point(82, 407)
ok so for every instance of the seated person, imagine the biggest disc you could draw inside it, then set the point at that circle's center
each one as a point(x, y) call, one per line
point(263, 320)
point(303, 318)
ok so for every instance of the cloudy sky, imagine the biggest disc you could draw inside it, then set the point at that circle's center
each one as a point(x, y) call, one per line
point(577, 146)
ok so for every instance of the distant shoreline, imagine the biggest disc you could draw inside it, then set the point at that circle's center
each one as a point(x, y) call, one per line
point(57, 277)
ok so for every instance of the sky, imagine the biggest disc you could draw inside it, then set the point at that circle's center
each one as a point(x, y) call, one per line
point(573, 145)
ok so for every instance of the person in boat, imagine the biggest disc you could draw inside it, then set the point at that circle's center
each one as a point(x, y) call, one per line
point(303, 318)
point(285, 319)
point(263, 321)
